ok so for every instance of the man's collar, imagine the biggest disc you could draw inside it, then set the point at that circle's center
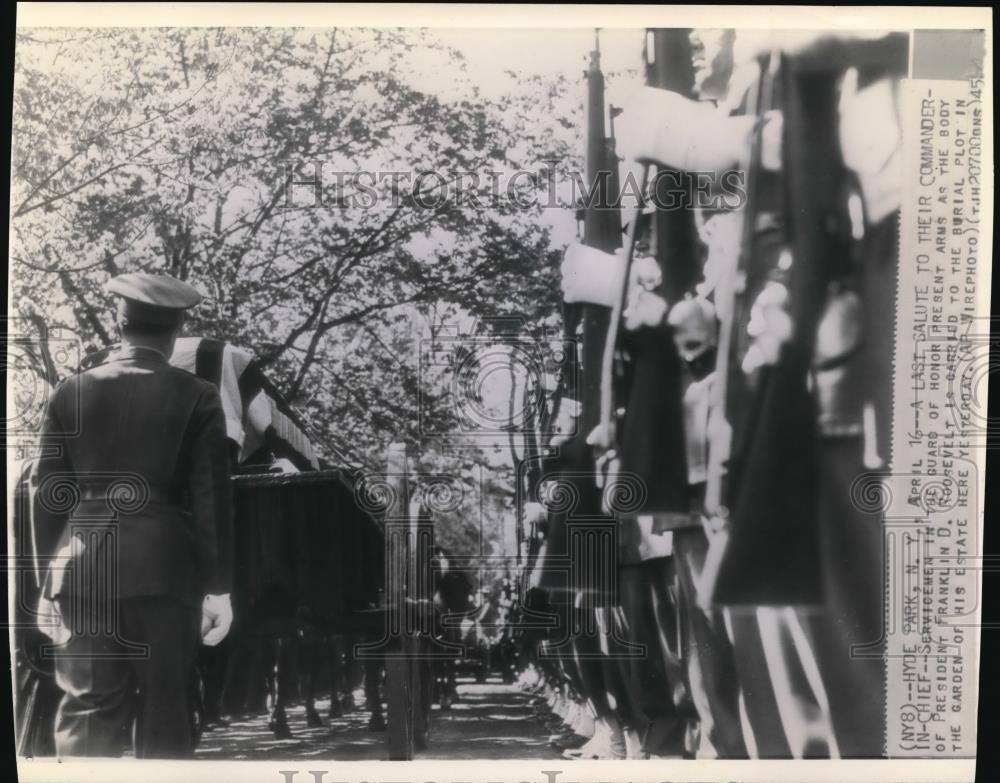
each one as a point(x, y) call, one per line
point(139, 352)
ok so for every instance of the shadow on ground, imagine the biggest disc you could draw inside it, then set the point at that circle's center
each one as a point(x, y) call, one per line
point(490, 720)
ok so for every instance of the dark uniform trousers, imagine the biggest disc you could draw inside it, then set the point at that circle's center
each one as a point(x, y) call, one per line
point(590, 665)
point(655, 680)
point(585, 611)
point(151, 650)
point(710, 663)
point(689, 657)
point(318, 648)
point(847, 634)
point(842, 637)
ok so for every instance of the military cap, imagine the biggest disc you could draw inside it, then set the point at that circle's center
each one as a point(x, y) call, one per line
point(152, 299)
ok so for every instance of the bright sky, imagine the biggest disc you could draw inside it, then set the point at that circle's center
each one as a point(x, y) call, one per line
point(490, 52)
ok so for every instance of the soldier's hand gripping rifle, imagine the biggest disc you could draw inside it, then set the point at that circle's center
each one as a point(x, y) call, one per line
point(760, 96)
point(604, 437)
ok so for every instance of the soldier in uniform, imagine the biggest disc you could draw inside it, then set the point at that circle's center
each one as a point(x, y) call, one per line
point(141, 447)
point(800, 671)
point(783, 714)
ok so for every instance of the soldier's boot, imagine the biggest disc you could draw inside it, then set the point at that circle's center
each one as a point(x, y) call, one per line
point(579, 728)
point(633, 745)
point(313, 720)
point(278, 724)
point(198, 726)
point(337, 654)
point(278, 685)
point(373, 695)
point(376, 722)
point(608, 742)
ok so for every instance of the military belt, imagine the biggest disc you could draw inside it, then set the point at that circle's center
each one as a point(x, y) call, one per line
point(131, 494)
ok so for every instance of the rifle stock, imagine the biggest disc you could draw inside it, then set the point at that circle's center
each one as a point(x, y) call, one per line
point(759, 99)
point(606, 434)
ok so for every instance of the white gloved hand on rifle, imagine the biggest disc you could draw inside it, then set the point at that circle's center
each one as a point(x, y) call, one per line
point(216, 617)
point(770, 327)
point(646, 273)
point(644, 306)
point(534, 513)
point(644, 309)
point(871, 141)
point(50, 622)
point(591, 276)
point(665, 128)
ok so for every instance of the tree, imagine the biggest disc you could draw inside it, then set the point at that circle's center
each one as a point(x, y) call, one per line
point(329, 192)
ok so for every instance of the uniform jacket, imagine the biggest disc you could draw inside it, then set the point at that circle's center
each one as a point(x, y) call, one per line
point(135, 462)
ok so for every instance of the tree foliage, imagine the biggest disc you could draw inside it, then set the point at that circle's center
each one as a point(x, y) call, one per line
point(257, 164)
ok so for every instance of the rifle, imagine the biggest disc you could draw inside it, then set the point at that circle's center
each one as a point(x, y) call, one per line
point(601, 230)
point(654, 421)
point(759, 101)
point(527, 466)
point(605, 438)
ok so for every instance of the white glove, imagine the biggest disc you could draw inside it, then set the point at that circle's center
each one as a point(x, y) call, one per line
point(592, 276)
point(216, 617)
point(871, 141)
point(770, 140)
point(646, 273)
point(565, 425)
point(599, 437)
point(721, 233)
point(770, 327)
point(660, 126)
point(50, 621)
point(534, 512)
point(645, 309)
point(283, 465)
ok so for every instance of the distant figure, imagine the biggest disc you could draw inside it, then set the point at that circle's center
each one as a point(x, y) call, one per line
point(451, 597)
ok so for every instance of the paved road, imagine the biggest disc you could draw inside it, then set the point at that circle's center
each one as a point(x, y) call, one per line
point(488, 721)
